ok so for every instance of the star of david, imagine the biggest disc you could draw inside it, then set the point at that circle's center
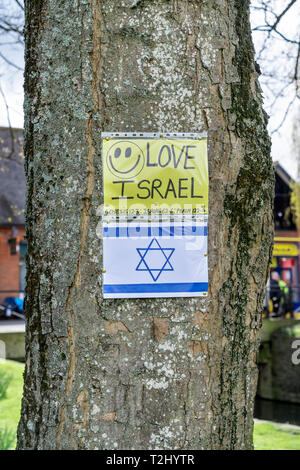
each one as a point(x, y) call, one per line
point(155, 259)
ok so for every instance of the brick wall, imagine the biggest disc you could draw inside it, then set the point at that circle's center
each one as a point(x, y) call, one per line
point(9, 264)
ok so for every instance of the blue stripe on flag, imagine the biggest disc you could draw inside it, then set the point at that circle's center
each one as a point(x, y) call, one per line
point(147, 288)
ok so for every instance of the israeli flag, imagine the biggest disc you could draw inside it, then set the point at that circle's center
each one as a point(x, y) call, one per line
point(155, 260)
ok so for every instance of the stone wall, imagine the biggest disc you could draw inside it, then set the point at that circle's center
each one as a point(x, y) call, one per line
point(279, 377)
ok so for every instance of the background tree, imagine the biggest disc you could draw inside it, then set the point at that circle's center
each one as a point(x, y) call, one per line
point(277, 43)
point(141, 373)
point(11, 51)
point(276, 31)
point(11, 29)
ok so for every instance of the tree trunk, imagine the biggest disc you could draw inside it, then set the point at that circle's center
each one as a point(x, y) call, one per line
point(176, 373)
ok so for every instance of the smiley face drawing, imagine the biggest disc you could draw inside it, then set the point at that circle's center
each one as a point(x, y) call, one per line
point(125, 159)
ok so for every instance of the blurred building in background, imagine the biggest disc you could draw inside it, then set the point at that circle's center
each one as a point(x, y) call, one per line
point(286, 253)
point(12, 224)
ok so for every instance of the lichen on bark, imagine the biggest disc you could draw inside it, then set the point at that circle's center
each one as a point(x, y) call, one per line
point(140, 373)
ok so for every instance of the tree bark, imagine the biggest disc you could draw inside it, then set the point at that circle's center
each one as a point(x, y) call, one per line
point(141, 373)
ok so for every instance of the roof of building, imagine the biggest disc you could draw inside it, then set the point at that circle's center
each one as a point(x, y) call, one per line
point(12, 177)
point(282, 173)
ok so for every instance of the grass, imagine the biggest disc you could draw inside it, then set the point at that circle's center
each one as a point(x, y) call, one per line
point(10, 405)
point(267, 435)
point(5, 379)
point(7, 439)
point(275, 436)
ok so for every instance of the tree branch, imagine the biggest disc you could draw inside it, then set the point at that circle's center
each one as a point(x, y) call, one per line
point(9, 62)
point(9, 123)
point(279, 17)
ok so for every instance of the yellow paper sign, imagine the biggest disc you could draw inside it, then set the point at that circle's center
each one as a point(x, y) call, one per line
point(143, 176)
point(285, 249)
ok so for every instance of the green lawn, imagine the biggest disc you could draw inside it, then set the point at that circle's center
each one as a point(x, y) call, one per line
point(275, 436)
point(267, 435)
point(10, 406)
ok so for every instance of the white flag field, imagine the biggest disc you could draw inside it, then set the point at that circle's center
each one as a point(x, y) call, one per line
point(155, 260)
